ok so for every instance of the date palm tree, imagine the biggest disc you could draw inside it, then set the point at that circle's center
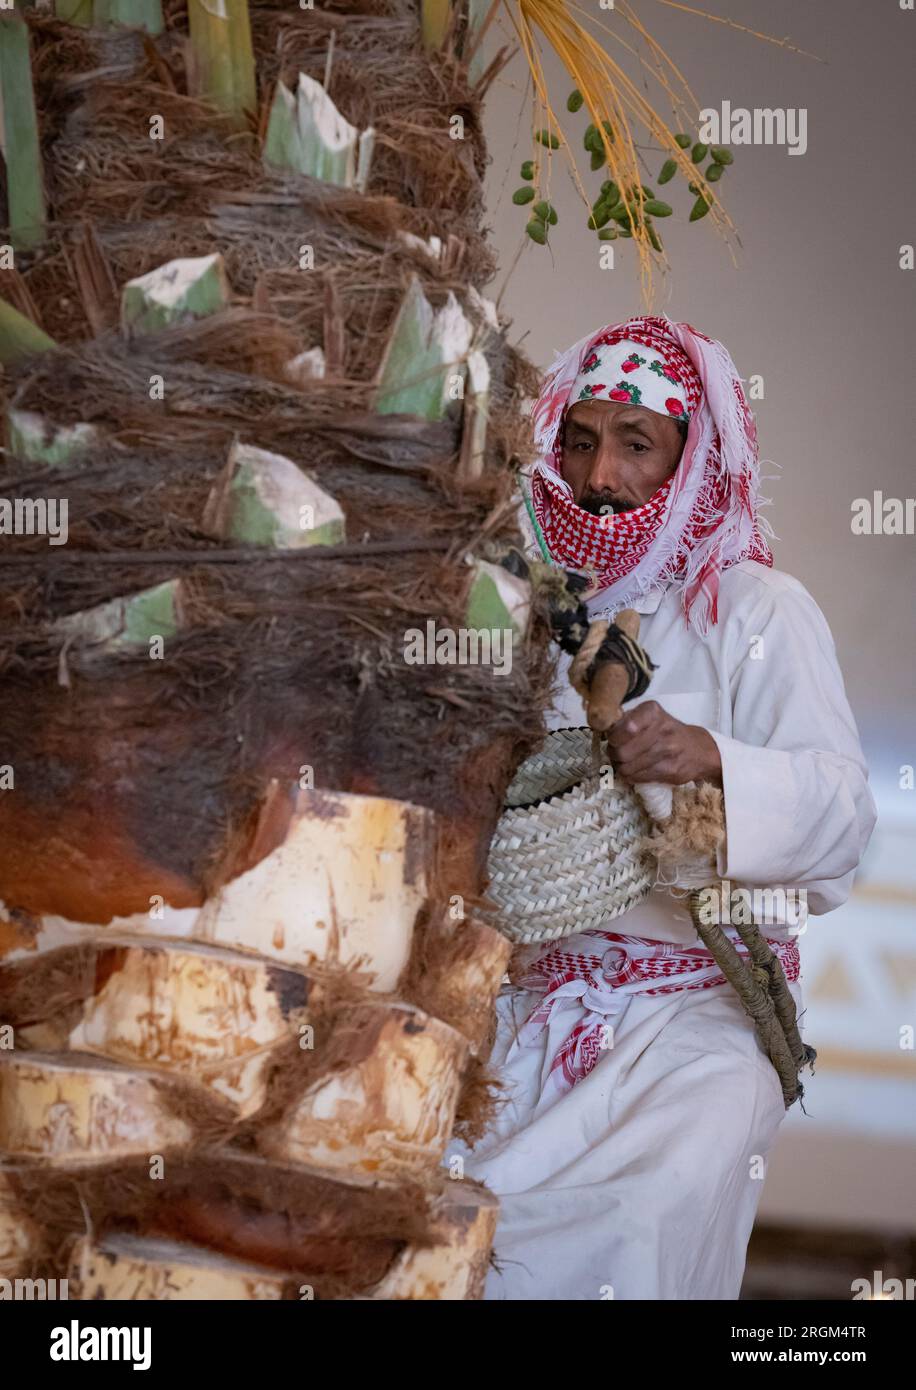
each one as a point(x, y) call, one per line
point(261, 424)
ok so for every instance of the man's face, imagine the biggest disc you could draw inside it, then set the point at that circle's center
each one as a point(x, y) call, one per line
point(616, 455)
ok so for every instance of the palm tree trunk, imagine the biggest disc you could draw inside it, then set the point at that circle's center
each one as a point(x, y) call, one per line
point(248, 791)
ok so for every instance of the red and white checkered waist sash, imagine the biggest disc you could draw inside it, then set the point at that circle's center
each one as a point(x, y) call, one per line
point(603, 982)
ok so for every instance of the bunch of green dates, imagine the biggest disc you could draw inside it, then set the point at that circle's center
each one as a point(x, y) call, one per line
point(610, 216)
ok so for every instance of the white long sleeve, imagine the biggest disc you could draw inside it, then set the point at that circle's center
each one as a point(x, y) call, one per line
point(798, 807)
point(766, 684)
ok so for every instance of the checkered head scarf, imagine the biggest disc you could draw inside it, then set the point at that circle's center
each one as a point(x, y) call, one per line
point(702, 519)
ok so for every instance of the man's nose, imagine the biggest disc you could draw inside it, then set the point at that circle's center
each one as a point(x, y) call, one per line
point(604, 474)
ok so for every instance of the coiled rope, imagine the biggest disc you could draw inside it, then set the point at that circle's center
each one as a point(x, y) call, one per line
point(609, 667)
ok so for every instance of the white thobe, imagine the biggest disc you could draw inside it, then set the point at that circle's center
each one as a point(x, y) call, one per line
point(642, 1181)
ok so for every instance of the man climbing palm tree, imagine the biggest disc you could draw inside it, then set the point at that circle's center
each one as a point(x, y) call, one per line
point(630, 1154)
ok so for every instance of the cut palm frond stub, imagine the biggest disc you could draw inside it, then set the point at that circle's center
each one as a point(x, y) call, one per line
point(19, 136)
point(223, 56)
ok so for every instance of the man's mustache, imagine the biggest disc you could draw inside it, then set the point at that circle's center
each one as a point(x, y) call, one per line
point(604, 503)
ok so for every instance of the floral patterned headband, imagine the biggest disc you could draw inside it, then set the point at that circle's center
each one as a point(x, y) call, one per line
point(629, 372)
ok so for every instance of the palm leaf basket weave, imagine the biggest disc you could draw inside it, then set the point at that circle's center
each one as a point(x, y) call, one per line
point(567, 853)
point(570, 853)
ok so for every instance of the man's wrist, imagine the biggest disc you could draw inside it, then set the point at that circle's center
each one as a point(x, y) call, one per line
point(711, 760)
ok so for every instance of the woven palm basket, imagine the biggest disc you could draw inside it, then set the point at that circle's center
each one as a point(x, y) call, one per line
point(567, 852)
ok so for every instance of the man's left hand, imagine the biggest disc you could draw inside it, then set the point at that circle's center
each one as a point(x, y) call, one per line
point(649, 745)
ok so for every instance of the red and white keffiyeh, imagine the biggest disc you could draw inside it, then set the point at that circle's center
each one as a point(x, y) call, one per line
point(701, 520)
point(603, 982)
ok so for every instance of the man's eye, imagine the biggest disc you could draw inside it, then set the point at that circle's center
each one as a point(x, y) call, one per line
point(641, 448)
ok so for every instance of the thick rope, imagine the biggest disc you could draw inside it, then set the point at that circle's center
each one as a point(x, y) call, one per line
point(760, 983)
point(618, 646)
point(587, 653)
point(764, 993)
point(607, 644)
point(765, 958)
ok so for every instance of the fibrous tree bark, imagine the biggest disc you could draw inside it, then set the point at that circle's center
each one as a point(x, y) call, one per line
point(261, 427)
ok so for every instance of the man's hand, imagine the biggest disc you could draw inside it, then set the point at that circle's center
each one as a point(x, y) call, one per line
point(648, 745)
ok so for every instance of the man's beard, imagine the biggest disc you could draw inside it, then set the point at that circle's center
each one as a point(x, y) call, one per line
point(603, 504)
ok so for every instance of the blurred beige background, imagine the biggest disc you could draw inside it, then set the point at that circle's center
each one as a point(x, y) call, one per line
point(819, 307)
